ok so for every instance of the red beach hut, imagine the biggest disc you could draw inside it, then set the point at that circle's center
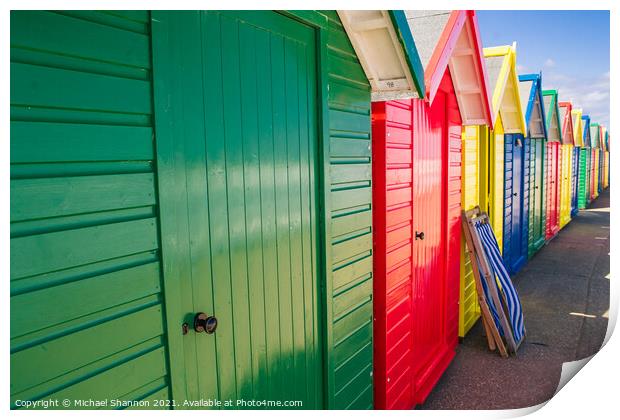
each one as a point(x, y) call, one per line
point(416, 207)
point(553, 162)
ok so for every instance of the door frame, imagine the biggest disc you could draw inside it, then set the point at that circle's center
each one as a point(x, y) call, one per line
point(170, 171)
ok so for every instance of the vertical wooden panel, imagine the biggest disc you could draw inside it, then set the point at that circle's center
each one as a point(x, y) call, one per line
point(474, 173)
point(348, 212)
point(453, 220)
point(85, 239)
point(393, 275)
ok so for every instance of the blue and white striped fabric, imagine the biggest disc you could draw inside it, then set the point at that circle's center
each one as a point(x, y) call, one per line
point(492, 307)
point(515, 311)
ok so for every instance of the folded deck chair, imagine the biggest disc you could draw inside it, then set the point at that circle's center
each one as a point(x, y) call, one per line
point(501, 310)
point(508, 294)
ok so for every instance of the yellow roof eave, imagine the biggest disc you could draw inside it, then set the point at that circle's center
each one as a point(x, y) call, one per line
point(507, 74)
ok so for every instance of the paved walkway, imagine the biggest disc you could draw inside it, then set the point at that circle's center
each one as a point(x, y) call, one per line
point(564, 290)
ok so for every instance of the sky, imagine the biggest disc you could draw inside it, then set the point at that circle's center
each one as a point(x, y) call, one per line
point(576, 65)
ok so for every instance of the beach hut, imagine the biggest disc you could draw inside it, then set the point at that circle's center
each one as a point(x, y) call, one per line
point(595, 134)
point(508, 123)
point(601, 172)
point(578, 159)
point(553, 163)
point(191, 204)
point(581, 160)
point(605, 153)
point(568, 172)
point(516, 217)
point(535, 149)
point(585, 182)
point(607, 162)
point(417, 207)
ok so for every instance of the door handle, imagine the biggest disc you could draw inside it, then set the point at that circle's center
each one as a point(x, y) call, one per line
point(205, 323)
point(419, 235)
point(514, 194)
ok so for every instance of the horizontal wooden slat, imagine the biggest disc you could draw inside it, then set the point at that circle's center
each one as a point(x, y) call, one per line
point(350, 173)
point(53, 358)
point(354, 342)
point(347, 370)
point(137, 15)
point(349, 272)
point(158, 400)
point(52, 197)
point(352, 309)
point(348, 121)
point(351, 198)
point(136, 21)
point(351, 247)
point(350, 97)
point(57, 88)
point(35, 142)
point(68, 62)
point(344, 147)
point(119, 380)
point(348, 68)
point(65, 169)
point(70, 36)
point(77, 221)
point(358, 391)
point(25, 112)
point(78, 298)
point(39, 254)
point(351, 222)
point(150, 396)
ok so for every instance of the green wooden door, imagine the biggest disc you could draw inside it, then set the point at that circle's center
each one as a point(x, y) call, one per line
point(242, 94)
point(584, 176)
point(539, 194)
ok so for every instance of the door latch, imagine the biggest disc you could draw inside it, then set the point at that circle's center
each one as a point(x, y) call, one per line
point(205, 323)
point(419, 235)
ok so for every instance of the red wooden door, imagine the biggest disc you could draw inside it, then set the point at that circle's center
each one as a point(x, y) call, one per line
point(555, 226)
point(429, 248)
point(436, 215)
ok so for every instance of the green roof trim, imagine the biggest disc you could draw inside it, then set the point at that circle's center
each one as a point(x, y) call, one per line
point(554, 104)
point(399, 20)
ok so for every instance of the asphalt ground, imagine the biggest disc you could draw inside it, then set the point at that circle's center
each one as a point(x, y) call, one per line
point(564, 290)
